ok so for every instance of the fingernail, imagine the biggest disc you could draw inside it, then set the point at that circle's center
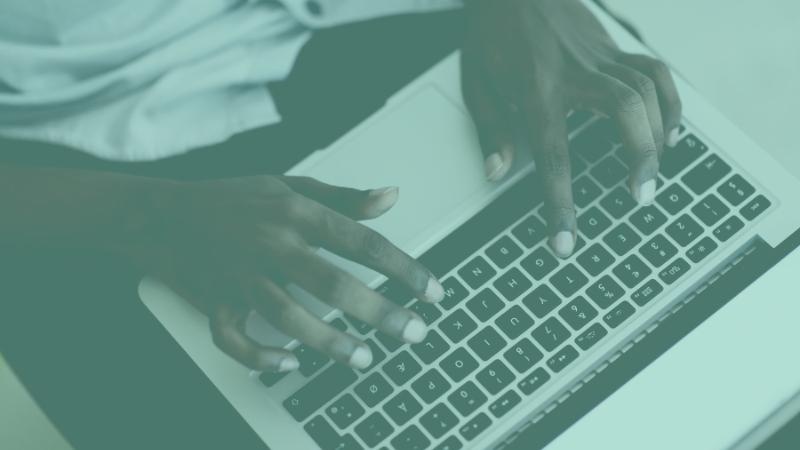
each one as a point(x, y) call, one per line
point(434, 292)
point(645, 193)
point(381, 200)
point(288, 364)
point(415, 331)
point(361, 357)
point(498, 164)
point(672, 137)
point(562, 244)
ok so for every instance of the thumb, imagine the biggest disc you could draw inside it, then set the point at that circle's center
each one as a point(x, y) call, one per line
point(356, 204)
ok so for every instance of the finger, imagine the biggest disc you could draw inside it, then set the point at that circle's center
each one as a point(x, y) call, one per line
point(548, 138)
point(291, 318)
point(365, 246)
point(354, 203)
point(668, 98)
point(341, 290)
point(646, 89)
point(491, 121)
point(226, 330)
point(627, 107)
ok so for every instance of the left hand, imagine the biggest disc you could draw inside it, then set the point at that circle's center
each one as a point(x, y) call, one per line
point(534, 60)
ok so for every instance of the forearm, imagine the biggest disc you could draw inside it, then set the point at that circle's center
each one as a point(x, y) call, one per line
point(78, 209)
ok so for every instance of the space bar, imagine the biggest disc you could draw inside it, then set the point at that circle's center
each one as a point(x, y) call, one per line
point(319, 391)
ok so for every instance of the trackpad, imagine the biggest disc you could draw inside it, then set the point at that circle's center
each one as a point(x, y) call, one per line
point(425, 145)
point(714, 385)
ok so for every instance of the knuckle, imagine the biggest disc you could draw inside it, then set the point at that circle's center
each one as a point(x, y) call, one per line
point(644, 85)
point(294, 207)
point(627, 100)
point(555, 163)
point(374, 246)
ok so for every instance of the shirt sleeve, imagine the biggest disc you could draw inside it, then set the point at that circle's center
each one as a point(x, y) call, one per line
point(326, 13)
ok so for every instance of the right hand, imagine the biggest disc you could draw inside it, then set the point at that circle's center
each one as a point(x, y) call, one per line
point(232, 245)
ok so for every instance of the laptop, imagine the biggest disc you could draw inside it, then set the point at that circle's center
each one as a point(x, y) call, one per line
point(527, 350)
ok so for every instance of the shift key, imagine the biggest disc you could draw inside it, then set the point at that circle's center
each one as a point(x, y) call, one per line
point(316, 393)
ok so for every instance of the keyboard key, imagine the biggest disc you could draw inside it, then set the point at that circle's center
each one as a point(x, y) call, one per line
point(585, 191)
point(427, 311)
point(476, 272)
point(539, 263)
point(505, 403)
point(618, 202)
point(595, 259)
point(378, 355)
point(710, 210)
point(736, 190)
point(269, 379)
point(728, 228)
point(673, 199)
point(388, 342)
point(475, 426)
point(523, 355)
point(402, 407)
point(568, 280)
point(514, 322)
point(339, 324)
point(686, 152)
point(591, 336)
point(658, 250)
point(609, 171)
point(430, 386)
point(454, 293)
point(431, 348)
point(618, 315)
point(322, 433)
point(541, 301)
point(485, 304)
point(395, 292)
point(457, 326)
point(595, 141)
point(551, 334)
point(674, 270)
point(756, 206)
point(344, 411)
point(622, 239)
point(401, 368)
point(577, 313)
point(374, 429)
point(438, 420)
point(593, 222)
point(512, 284)
point(495, 377)
point(576, 119)
point(647, 292)
point(323, 388)
point(700, 250)
point(373, 389)
point(411, 439)
point(486, 343)
point(530, 231)
point(631, 271)
point(605, 292)
point(706, 174)
point(684, 230)
point(467, 398)
point(360, 326)
point(533, 381)
point(451, 443)
point(648, 219)
point(562, 358)
point(503, 252)
point(310, 360)
point(458, 364)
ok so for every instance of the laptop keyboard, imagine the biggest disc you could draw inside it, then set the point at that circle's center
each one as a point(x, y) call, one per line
point(514, 315)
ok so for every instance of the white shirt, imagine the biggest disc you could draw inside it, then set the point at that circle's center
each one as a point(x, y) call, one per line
point(138, 80)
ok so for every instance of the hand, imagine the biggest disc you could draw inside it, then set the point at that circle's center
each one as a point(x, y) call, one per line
point(233, 244)
point(530, 62)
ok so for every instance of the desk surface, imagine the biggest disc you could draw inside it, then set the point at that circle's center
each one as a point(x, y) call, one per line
point(744, 56)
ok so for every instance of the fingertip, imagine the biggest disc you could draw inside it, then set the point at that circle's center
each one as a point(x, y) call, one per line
point(434, 292)
point(562, 243)
point(380, 200)
point(361, 358)
point(672, 137)
point(644, 193)
point(499, 163)
point(415, 331)
point(288, 364)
